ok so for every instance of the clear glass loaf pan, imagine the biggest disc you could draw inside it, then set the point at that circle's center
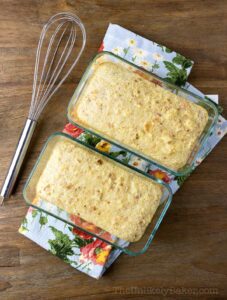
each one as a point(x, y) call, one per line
point(134, 248)
point(211, 108)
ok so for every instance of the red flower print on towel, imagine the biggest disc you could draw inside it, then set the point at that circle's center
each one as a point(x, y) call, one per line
point(76, 220)
point(84, 224)
point(89, 227)
point(160, 175)
point(101, 47)
point(106, 236)
point(82, 234)
point(30, 210)
point(72, 130)
point(96, 251)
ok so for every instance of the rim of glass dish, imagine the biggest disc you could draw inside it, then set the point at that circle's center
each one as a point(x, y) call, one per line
point(187, 169)
point(133, 169)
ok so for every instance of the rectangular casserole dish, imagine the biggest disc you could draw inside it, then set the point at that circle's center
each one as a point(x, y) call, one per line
point(30, 192)
point(106, 57)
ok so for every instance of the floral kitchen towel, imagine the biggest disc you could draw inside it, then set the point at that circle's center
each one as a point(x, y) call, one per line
point(82, 251)
point(75, 247)
point(149, 55)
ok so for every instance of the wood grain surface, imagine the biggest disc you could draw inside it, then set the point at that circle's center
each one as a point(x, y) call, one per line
point(189, 251)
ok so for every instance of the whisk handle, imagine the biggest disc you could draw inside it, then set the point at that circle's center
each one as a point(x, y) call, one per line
point(18, 158)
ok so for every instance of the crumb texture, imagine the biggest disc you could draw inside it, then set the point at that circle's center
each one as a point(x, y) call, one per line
point(87, 184)
point(140, 114)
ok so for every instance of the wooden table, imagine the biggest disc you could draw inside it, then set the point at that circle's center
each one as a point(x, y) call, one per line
point(190, 248)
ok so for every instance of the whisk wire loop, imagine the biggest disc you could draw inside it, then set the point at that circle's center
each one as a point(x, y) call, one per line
point(47, 80)
point(45, 85)
point(36, 95)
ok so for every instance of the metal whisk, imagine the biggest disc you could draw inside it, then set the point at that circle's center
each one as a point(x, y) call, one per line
point(47, 80)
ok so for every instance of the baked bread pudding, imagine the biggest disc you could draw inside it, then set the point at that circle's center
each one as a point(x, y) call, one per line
point(89, 185)
point(140, 114)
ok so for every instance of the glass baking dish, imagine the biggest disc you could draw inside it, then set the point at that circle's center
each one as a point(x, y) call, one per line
point(211, 108)
point(134, 248)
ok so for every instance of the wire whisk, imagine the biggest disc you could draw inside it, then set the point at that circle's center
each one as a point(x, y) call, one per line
point(60, 33)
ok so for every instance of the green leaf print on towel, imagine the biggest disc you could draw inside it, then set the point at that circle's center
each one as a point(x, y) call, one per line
point(61, 246)
point(118, 153)
point(165, 49)
point(24, 226)
point(79, 242)
point(90, 139)
point(34, 213)
point(43, 220)
point(177, 75)
point(181, 60)
point(181, 179)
